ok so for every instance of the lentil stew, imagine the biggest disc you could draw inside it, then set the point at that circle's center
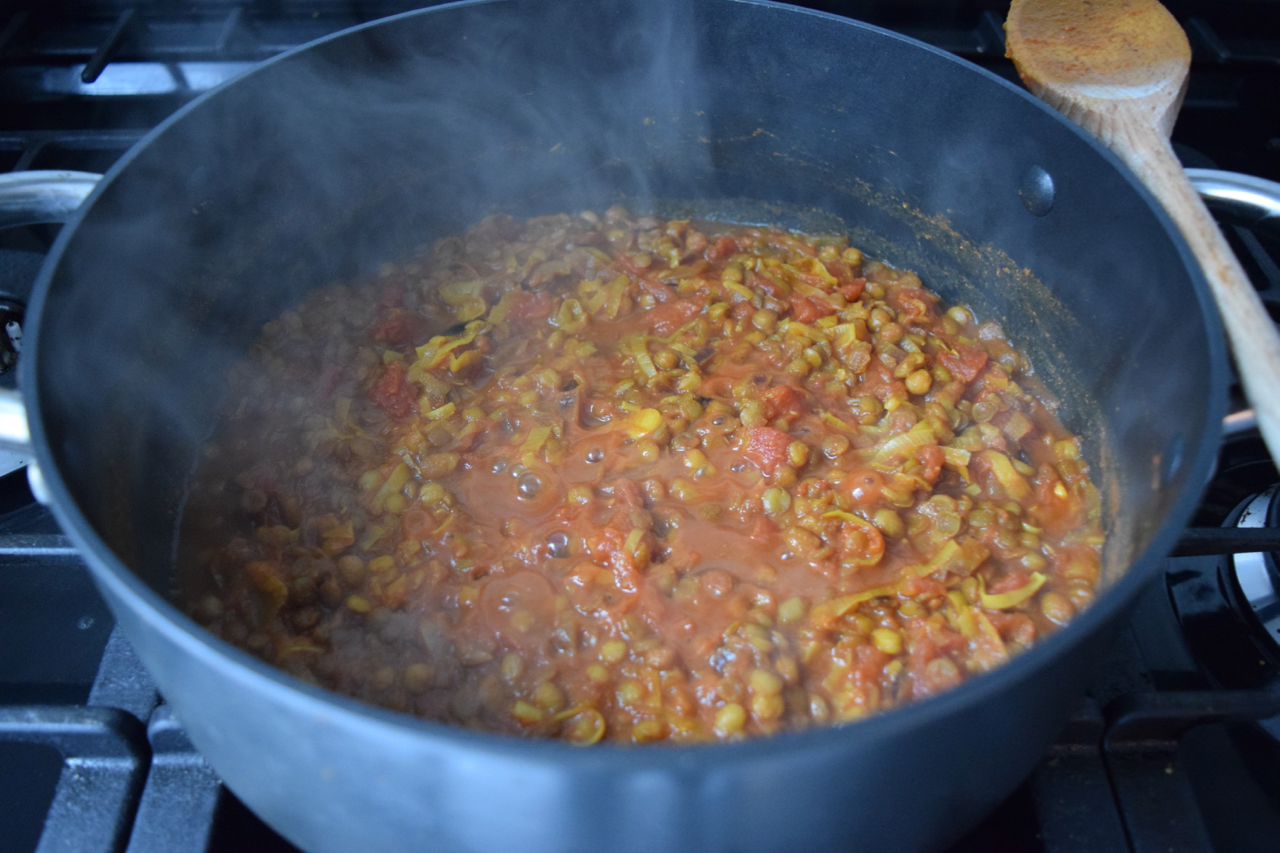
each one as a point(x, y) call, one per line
point(616, 477)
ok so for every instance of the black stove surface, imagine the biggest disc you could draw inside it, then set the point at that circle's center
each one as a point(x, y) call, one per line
point(1163, 755)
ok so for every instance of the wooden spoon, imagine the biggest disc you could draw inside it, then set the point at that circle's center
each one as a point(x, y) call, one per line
point(1118, 68)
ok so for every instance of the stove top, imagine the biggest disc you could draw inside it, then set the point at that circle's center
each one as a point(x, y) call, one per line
point(1176, 748)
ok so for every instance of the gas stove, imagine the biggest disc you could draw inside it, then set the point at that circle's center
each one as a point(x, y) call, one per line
point(1176, 747)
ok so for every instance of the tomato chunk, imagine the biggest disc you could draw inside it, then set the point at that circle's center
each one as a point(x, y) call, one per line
point(966, 362)
point(913, 304)
point(930, 457)
point(529, 308)
point(723, 248)
point(667, 317)
point(392, 392)
point(783, 401)
point(766, 447)
point(397, 327)
point(806, 309)
point(853, 290)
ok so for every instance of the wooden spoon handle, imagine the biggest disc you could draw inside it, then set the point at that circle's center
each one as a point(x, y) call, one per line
point(1249, 327)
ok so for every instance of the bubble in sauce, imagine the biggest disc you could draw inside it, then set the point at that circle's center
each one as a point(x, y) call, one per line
point(529, 486)
point(558, 545)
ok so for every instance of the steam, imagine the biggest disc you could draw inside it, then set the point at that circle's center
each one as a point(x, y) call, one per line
point(321, 167)
point(326, 164)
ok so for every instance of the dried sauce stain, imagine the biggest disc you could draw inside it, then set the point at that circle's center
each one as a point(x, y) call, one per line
point(657, 480)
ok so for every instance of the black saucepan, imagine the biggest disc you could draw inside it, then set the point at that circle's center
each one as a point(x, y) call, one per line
point(332, 159)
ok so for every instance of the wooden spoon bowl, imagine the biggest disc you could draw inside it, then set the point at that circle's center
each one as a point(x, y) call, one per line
point(1119, 69)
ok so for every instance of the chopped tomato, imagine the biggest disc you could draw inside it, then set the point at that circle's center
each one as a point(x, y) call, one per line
point(782, 401)
point(765, 283)
point(529, 308)
point(391, 392)
point(861, 544)
point(763, 531)
point(628, 494)
point(966, 362)
point(915, 586)
point(717, 386)
point(868, 663)
point(722, 248)
point(610, 548)
point(944, 638)
point(912, 304)
point(806, 309)
point(656, 289)
point(921, 650)
point(1009, 582)
point(398, 327)
point(1017, 627)
point(930, 456)
point(1052, 506)
point(766, 447)
point(622, 262)
point(694, 244)
point(840, 271)
point(666, 318)
point(853, 290)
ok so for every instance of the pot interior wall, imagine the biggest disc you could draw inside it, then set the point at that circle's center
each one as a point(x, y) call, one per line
point(323, 165)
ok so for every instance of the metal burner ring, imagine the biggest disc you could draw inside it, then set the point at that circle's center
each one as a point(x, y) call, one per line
point(1256, 572)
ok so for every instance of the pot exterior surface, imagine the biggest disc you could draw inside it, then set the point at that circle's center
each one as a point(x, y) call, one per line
point(329, 161)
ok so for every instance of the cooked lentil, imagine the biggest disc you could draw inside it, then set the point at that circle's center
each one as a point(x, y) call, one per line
point(642, 480)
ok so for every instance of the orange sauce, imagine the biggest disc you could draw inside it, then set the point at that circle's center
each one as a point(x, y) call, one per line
point(641, 480)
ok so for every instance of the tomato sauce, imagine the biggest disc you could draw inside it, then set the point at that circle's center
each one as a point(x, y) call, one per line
point(639, 480)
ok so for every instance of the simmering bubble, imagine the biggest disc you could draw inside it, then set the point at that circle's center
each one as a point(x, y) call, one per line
point(558, 544)
point(529, 485)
